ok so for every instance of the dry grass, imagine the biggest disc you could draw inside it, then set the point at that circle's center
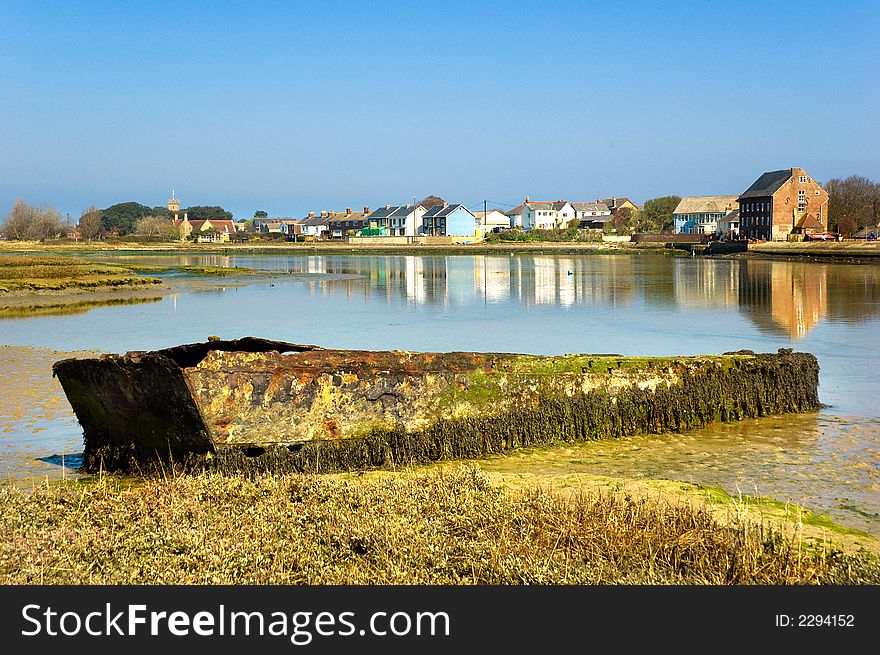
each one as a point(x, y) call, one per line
point(440, 527)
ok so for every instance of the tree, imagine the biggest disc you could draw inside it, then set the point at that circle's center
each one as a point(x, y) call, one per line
point(162, 212)
point(261, 214)
point(656, 215)
point(89, 225)
point(853, 203)
point(123, 216)
point(623, 218)
point(199, 213)
point(32, 222)
point(431, 201)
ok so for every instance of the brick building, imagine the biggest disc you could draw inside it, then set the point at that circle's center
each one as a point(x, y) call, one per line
point(348, 221)
point(782, 202)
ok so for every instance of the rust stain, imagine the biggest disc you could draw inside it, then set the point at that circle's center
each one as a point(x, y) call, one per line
point(331, 428)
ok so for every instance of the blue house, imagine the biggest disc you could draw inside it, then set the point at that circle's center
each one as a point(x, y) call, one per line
point(449, 221)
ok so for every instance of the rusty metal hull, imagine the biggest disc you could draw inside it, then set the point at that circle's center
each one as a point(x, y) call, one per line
point(256, 403)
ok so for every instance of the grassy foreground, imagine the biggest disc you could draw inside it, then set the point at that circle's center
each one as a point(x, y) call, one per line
point(447, 526)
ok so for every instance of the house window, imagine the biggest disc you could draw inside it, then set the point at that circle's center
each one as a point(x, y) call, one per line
point(803, 179)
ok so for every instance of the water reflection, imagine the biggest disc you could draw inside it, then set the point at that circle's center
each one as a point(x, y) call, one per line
point(782, 298)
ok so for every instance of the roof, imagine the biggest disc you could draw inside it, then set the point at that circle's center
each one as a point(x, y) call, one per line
point(516, 211)
point(767, 184)
point(438, 211)
point(614, 202)
point(865, 231)
point(706, 205)
point(591, 206)
point(223, 225)
point(555, 205)
point(353, 216)
point(397, 211)
point(810, 222)
point(480, 214)
point(315, 220)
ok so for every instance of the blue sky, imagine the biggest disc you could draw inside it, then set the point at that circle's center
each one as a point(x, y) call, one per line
point(291, 106)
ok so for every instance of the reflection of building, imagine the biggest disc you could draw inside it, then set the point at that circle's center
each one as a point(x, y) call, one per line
point(784, 297)
point(701, 283)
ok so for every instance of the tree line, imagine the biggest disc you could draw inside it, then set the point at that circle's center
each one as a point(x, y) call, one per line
point(853, 203)
point(38, 223)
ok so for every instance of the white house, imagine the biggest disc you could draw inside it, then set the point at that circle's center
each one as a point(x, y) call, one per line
point(489, 220)
point(590, 210)
point(514, 216)
point(729, 224)
point(701, 214)
point(399, 220)
point(546, 215)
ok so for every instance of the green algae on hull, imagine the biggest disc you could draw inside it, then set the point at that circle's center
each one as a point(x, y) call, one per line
point(252, 404)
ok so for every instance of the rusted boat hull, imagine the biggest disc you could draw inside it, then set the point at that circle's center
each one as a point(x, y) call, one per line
point(256, 404)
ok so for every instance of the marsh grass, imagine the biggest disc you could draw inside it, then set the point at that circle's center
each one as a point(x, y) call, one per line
point(34, 273)
point(448, 526)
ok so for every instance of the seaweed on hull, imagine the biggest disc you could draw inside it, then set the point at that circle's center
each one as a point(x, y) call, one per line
point(255, 405)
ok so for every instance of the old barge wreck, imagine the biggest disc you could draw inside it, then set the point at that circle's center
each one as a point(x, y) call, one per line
point(258, 405)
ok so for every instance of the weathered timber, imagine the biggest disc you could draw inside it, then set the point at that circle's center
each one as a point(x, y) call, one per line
point(257, 405)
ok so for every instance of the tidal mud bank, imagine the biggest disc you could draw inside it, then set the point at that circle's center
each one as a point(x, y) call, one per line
point(257, 405)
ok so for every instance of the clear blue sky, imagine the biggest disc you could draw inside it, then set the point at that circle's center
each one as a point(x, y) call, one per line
point(291, 106)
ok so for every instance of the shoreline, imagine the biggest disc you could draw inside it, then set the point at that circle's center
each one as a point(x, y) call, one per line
point(850, 252)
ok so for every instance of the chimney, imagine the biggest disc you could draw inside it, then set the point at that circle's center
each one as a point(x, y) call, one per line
point(332, 213)
point(527, 198)
point(323, 213)
point(366, 210)
point(407, 205)
point(311, 214)
point(387, 206)
point(348, 211)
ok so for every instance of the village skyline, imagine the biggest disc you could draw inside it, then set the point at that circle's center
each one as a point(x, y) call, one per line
point(288, 108)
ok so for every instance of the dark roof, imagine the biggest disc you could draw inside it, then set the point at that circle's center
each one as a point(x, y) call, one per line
point(315, 220)
point(614, 202)
point(515, 211)
point(767, 184)
point(438, 211)
point(393, 210)
point(596, 219)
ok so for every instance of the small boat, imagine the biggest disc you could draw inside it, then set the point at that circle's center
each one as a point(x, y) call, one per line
point(262, 405)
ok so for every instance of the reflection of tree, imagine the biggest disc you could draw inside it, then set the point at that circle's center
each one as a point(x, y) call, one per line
point(853, 293)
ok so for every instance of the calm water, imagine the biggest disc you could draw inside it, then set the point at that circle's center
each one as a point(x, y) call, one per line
point(628, 304)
